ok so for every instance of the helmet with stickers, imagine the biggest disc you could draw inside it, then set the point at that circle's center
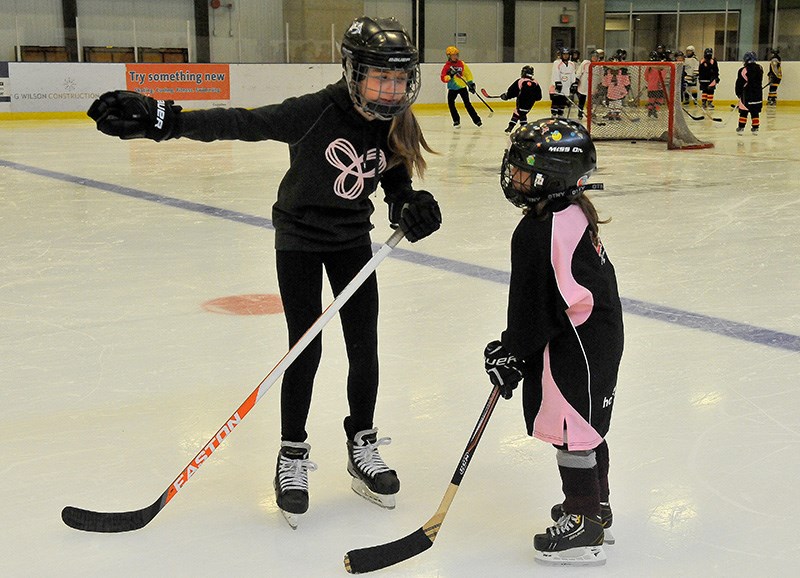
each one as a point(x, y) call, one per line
point(550, 158)
point(450, 51)
point(380, 45)
point(527, 71)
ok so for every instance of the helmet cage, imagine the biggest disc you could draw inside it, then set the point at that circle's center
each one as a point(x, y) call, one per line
point(386, 105)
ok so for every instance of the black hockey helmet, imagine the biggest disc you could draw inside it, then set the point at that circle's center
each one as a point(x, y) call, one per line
point(750, 57)
point(774, 53)
point(679, 54)
point(550, 158)
point(708, 53)
point(527, 71)
point(654, 55)
point(380, 44)
point(621, 54)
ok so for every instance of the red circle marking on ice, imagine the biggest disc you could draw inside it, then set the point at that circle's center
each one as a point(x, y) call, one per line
point(245, 305)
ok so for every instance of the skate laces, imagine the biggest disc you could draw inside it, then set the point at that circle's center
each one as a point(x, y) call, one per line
point(565, 524)
point(365, 453)
point(293, 473)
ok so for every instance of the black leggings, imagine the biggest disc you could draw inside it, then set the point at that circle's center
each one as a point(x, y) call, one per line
point(451, 104)
point(300, 282)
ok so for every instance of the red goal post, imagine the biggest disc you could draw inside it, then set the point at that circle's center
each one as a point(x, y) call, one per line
point(638, 101)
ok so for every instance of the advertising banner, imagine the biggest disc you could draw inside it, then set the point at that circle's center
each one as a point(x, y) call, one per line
point(180, 81)
point(60, 87)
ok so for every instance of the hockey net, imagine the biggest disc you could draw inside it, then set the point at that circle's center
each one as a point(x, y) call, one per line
point(638, 101)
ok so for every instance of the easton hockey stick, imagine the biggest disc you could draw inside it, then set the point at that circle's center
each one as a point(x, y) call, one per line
point(491, 110)
point(90, 521)
point(381, 556)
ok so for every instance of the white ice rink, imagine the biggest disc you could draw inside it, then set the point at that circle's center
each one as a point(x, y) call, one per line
point(114, 374)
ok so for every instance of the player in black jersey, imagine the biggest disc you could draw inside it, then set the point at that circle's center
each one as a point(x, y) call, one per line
point(527, 92)
point(750, 91)
point(564, 332)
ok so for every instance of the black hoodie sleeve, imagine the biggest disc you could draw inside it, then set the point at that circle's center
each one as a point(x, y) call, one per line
point(286, 122)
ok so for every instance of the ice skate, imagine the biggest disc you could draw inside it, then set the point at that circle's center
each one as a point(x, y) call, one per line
point(372, 478)
point(575, 540)
point(291, 480)
point(606, 517)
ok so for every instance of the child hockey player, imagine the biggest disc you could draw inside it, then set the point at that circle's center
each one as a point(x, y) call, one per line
point(616, 81)
point(564, 332)
point(582, 77)
point(458, 77)
point(690, 68)
point(775, 75)
point(654, 76)
point(563, 79)
point(750, 92)
point(708, 77)
point(322, 221)
point(527, 92)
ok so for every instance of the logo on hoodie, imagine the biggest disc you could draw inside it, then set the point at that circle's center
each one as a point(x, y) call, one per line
point(355, 169)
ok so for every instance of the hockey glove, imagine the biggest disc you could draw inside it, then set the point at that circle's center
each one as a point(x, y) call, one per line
point(558, 86)
point(471, 87)
point(420, 216)
point(502, 367)
point(573, 88)
point(504, 96)
point(452, 71)
point(131, 115)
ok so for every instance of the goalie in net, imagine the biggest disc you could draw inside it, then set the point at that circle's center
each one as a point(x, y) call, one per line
point(638, 101)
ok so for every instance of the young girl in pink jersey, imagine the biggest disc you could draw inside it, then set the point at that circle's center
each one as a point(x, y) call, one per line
point(564, 332)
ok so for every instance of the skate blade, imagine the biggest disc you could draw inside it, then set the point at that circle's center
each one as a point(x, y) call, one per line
point(383, 500)
point(292, 519)
point(608, 537)
point(586, 556)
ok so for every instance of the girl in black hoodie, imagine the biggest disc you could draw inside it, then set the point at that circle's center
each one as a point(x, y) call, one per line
point(343, 141)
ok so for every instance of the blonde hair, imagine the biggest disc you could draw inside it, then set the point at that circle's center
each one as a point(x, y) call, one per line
point(406, 141)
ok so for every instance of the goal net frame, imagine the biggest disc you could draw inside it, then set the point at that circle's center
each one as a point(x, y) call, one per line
point(636, 101)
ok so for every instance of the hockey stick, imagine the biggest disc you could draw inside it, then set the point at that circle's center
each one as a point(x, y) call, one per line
point(90, 521)
point(693, 117)
point(381, 556)
point(487, 95)
point(491, 110)
point(702, 110)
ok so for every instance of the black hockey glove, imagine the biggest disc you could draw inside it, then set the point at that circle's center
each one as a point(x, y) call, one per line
point(471, 87)
point(573, 88)
point(504, 96)
point(502, 367)
point(420, 216)
point(558, 86)
point(452, 71)
point(132, 115)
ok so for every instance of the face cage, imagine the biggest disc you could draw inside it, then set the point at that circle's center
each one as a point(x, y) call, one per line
point(514, 196)
point(381, 110)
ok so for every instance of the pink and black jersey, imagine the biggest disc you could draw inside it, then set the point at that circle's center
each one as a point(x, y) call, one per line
point(565, 322)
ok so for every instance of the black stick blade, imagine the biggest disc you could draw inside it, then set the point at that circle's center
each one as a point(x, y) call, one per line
point(89, 521)
point(377, 557)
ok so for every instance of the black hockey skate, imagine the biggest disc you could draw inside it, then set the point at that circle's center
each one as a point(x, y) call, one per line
point(575, 540)
point(606, 517)
point(291, 480)
point(372, 478)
